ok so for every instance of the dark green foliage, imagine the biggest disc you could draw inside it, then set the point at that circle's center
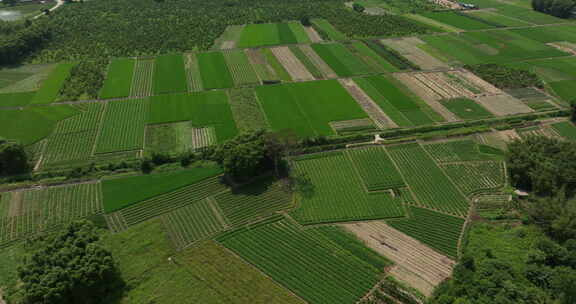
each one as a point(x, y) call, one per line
point(13, 159)
point(85, 80)
point(557, 8)
point(69, 267)
point(18, 39)
point(244, 156)
point(504, 77)
point(555, 215)
point(358, 7)
point(543, 165)
point(391, 55)
point(573, 111)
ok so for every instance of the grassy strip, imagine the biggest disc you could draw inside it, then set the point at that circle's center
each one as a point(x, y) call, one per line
point(327, 30)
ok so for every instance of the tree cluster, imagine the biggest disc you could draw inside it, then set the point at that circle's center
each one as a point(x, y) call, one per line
point(85, 79)
point(18, 39)
point(69, 267)
point(504, 77)
point(557, 8)
point(13, 159)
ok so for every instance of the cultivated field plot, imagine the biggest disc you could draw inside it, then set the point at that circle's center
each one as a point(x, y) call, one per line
point(214, 71)
point(467, 109)
point(306, 61)
point(50, 89)
point(305, 261)
point(16, 99)
point(565, 129)
point(308, 107)
point(260, 64)
point(228, 38)
point(492, 17)
point(204, 109)
point(254, 35)
point(517, 12)
point(193, 73)
point(459, 20)
point(246, 109)
point(325, 29)
point(253, 202)
point(341, 60)
point(503, 104)
point(427, 181)
point(376, 114)
point(334, 191)
point(399, 105)
point(499, 46)
point(274, 64)
point(24, 213)
point(123, 126)
point(456, 151)
point(171, 138)
point(118, 79)
point(242, 72)
point(317, 61)
point(436, 230)
point(24, 78)
point(474, 177)
point(142, 82)
point(293, 66)
point(412, 48)
point(420, 266)
point(169, 74)
point(192, 223)
point(373, 59)
point(376, 169)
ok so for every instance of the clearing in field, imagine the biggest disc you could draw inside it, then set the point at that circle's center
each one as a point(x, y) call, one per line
point(334, 189)
point(415, 263)
point(142, 82)
point(412, 48)
point(466, 109)
point(254, 35)
point(169, 74)
point(50, 89)
point(427, 181)
point(246, 109)
point(308, 107)
point(21, 99)
point(206, 273)
point(214, 71)
point(321, 270)
point(204, 109)
point(118, 79)
point(123, 192)
point(123, 126)
point(242, 72)
point(341, 60)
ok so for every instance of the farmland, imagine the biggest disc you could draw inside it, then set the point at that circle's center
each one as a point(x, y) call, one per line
point(119, 79)
point(51, 87)
point(214, 71)
point(344, 63)
point(169, 74)
point(254, 35)
point(123, 126)
point(565, 129)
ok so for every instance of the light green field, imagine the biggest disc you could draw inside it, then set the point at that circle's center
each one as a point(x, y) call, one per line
point(50, 89)
point(169, 74)
point(123, 126)
point(328, 29)
point(341, 60)
point(119, 79)
point(255, 35)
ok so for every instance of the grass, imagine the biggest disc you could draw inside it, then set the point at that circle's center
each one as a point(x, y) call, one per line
point(461, 21)
point(123, 126)
point(203, 109)
point(246, 109)
point(255, 35)
point(565, 129)
point(275, 64)
point(299, 32)
point(466, 108)
point(328, 29)
point(432, 188)
point(207, 273)
point(305, 261)
point(169, 139)
point(342, 61)
point(475, 177)
point(495, 18)
point(378, 63)
point(16, 99)
point(437, 230)
point(331, 190)
point(23, 78)
point(50, 89)
point(308, 107)
point(214, 71)
point(122, 192)
point(169, 74)
point(119, 79)
point(30, 125)
point(376, 169)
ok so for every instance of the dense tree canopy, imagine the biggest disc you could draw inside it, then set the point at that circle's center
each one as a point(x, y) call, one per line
point(86, 79)
point(18, 39)
point(504, 77)
point(558, 8)
point(13, 159)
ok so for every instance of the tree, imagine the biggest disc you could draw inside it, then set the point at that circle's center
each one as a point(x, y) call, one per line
point(13, 159)
point(11, 2)
point(358, 7)
point(305, 21)
point(244, 156)
point(573, 111)
point(278, 144)
point(69, 267)
point(557, 8)
point(555, 215)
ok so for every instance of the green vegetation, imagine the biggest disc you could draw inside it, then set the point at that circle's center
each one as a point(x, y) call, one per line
point(84, 81)
point(240, 68)
point(556, 8)
point(13, 159)
point(214, 71)
point(51, 87)
point(119, 79)
point(459, 20)
point(246, 109)
point(331, 190)
point(466, 108)
point(307, 62)
point(376, 169)
point(342, 61)
point(504, 77)
point(16, 99)
point(392, 56)
point(169, 139)
point(433, 189)
point(327, 31)
point(123, 126)
point(437, 230)
point(495, 18)
point(119, 193)
point(565, 129)
point(473, 177)
point(372, 58)
point(456, 151)
point(169, 74)
point(255, 35)
point(278, 68)
point(312, 265)
point(308, 107)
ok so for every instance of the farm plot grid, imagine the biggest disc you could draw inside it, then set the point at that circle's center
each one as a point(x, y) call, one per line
point(118, 79)
point(474, 177)
point(427, 181)
point(376, 169)
point(255, 35)
point(214, 71)
point(305, 261)
point(308, 107)
point(123, 126)
point(334, 192)
point(341, 60)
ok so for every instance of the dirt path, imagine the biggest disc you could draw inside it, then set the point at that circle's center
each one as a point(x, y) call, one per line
point(295, 68)
point(59, 3)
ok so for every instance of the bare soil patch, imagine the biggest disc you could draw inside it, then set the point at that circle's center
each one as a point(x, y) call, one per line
point(312, 34)
point(203, 137)
point(503, 104)
point(567, 47)
point(229, 44)
point(318, 62)
point(295, 68)
point(508, 135)
point(408, 47)
point(447, 4)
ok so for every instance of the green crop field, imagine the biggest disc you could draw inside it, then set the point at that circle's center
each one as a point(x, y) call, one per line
point(307, 62)
point(87, 119)
point(456, 151)
point(376, 169)
point(170, 139)
point(308, 107)
point(239, 66)
point(341, 60)
point(299, 32)
point(143, 76)
point(123, 126)
point(519, 10)
point(253, 202)
point(192, 223)
point(466, 108)
point(437, 230)
point(16, 99)
point(214, 71)
point(547, 34)
point(305, 261)
point(375, 61)
point(203, 109)
point(328, 30)
point(274, 63)
point(246, 109)
point(65, 147)
point(458, 20)
point(255, 35)
point(474, 177)
point(169, 74)
point(335, 192)
point(32, 124)
point(50, 88)
point(427, 181)
point(119, 79)
point(495, 18)
point(119, 193)
point(565, 129)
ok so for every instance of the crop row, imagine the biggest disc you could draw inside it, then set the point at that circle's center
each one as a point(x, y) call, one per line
point(193, 73)
point(246, 109)
point(70, 146)
point(476, 176)
point(428, 182)
point(142, 82)
point(240, 67)
point(341, 60)
point(455, 151)
point(123, 126)
point(307, 62)
point(376, 169)
point(88, 119)
point(118, 79)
